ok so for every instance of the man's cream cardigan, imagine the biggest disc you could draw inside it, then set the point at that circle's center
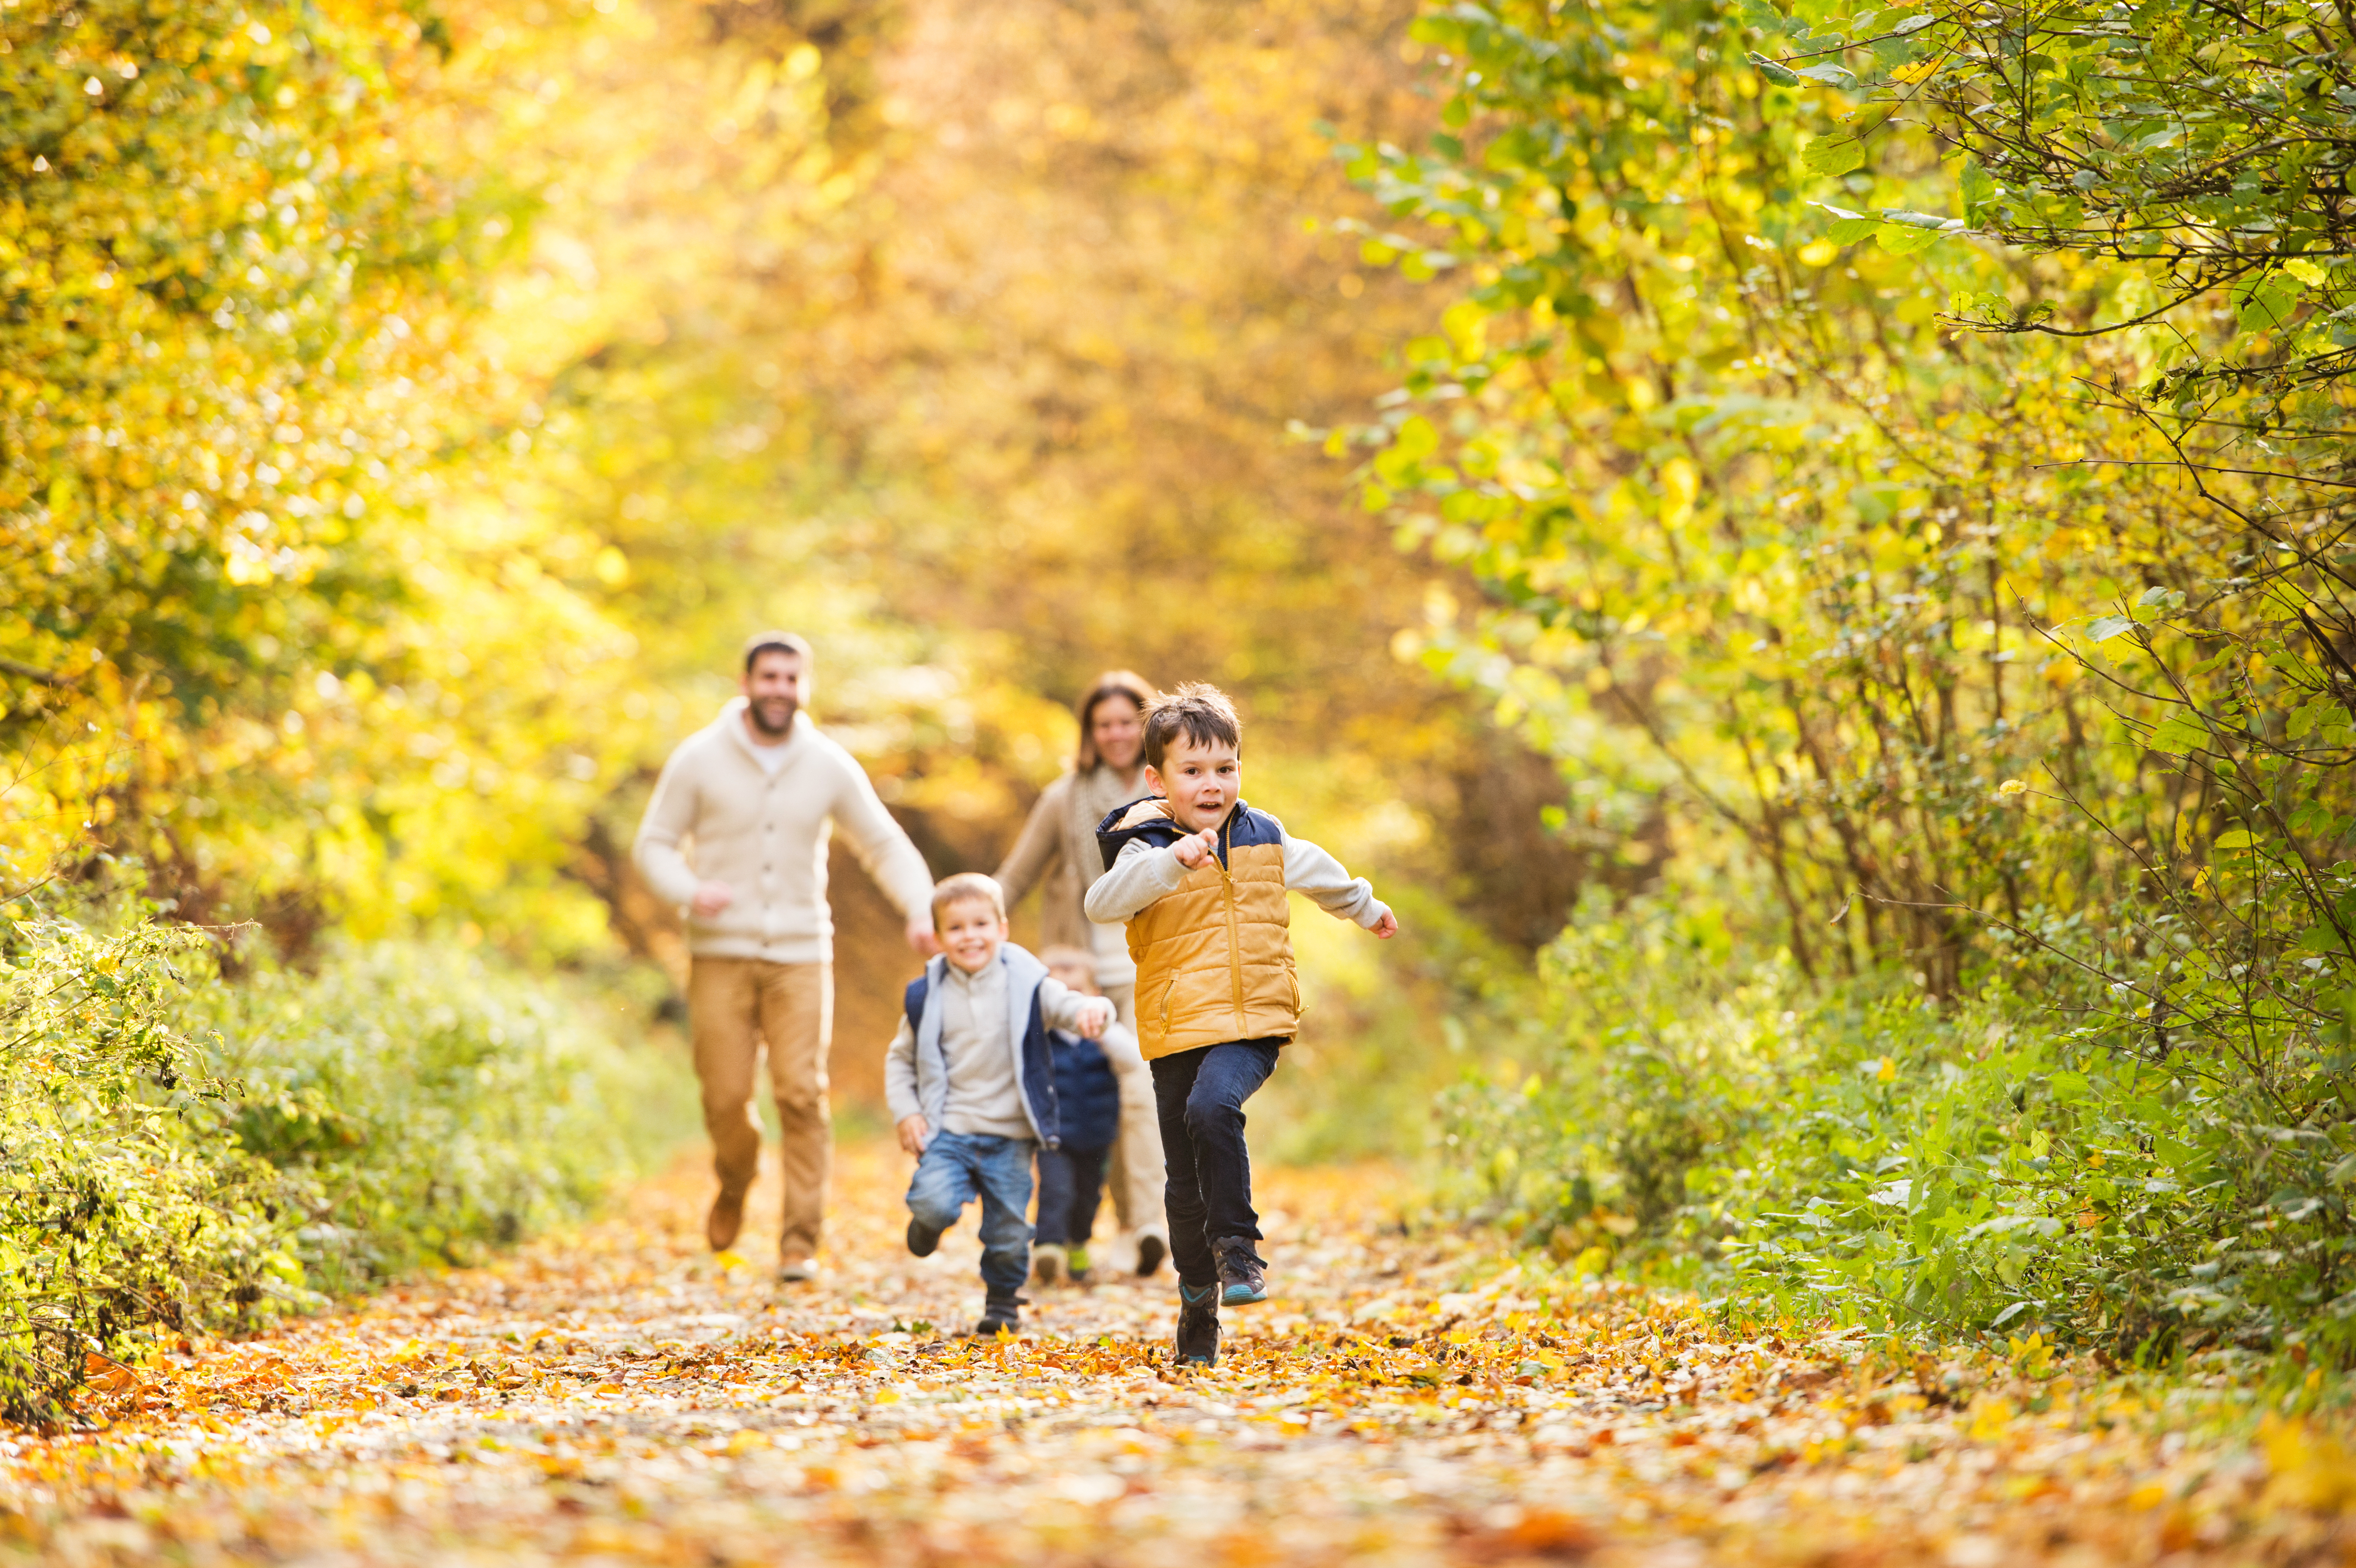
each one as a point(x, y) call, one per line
point(765, 835)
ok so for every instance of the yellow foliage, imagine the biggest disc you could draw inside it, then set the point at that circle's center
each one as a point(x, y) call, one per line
point(2308, 1469)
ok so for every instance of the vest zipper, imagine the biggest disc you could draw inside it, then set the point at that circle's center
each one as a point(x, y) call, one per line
point(1235, 930)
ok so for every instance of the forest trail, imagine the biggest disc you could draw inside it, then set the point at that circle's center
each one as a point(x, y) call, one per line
point(615, 1396)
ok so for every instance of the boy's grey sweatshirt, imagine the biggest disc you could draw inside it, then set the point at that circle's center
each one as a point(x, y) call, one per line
point(978, 1037)
point(1145, 873)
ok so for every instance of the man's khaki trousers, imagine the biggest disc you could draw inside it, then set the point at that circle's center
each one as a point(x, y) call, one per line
point(734, 1006)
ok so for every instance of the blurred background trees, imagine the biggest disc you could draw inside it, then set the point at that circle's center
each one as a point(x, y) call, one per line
point(1808, 549)
point(442, 401)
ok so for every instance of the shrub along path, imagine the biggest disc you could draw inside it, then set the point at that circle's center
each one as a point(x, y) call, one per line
point(614, 1395)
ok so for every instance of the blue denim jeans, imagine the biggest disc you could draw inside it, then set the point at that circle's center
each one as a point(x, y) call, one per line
point(1201, 1096)
point(956, 1169)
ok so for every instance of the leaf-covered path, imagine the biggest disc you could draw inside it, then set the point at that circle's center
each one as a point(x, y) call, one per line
point(615, 1396)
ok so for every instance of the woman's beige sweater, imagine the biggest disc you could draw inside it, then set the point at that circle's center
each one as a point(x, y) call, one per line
point(1057, 853)
point(718, 814)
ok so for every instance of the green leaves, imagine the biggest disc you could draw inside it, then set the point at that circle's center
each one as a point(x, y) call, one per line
point(119, 1203)
point(1905, 239)
point(2181, 735)
point(437, 1102)
point(2268, 305)
point(2103, 628)
point(2183, 147)
point(1848, 228)
point(1979, 190)
point(1925, 538)
point(384, 1112)
point(1828, 75)
point(1896, 230)
point(1835, 154)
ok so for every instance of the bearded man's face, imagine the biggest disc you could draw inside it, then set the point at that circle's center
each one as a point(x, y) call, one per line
point(773, 691)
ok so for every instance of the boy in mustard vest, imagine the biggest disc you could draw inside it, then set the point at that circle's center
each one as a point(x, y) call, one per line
point(1201, 880)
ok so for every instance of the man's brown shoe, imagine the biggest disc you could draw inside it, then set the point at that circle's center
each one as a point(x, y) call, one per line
point(727, 1218)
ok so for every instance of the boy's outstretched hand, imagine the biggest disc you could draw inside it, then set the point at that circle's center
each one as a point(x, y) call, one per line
point(1386, 927)
point(1196, 847)
point(915, 1134)
point(1095, 1013)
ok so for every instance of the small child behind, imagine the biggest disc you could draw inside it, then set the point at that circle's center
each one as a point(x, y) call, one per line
point(969, 1078)
point(1087, 1107)
point(1201, 880)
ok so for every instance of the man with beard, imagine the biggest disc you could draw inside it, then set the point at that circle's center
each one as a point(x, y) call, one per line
point(757, 794)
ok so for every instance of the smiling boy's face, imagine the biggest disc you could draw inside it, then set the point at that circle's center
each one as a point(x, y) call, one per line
point(1201, 781)
point(970, 932)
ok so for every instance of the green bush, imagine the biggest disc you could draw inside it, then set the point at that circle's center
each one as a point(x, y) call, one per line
point(1661, 1067)
point(121, 1204)
point(2008, 1160)
point(436, 1103)
point(181, 1152)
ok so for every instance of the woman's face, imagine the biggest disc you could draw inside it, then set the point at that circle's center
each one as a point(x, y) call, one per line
point(1117, 725)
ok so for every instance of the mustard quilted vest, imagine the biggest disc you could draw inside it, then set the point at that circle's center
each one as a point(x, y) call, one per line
point(1215, 957)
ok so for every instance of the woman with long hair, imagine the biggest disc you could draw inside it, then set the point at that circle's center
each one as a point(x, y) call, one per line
point(1057, 853)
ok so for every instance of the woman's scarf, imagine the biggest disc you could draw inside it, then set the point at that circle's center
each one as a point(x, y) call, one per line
point(1093, 796)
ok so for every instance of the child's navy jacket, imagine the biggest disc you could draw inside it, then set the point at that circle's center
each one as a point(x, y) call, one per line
point(1087, 1096)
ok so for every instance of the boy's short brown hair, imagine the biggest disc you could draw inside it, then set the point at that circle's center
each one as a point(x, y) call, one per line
point(966, 886)
point(1201, 712)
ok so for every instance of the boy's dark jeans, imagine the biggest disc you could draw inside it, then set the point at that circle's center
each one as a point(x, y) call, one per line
point(1071, 1185)
point(1200, 1095)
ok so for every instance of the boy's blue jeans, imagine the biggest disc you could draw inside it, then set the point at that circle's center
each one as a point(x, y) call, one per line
point(1201, 1094)
point(957, 1168)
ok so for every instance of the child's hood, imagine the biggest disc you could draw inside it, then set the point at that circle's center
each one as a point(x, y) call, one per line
point(1156, 831)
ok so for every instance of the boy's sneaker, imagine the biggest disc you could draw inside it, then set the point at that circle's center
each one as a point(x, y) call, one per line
point(1047, 1263)
point(1076, 1264)
point(1242, 1272)
point(1151, 1251)
point(922, 1238)
point(999, 1317)
point(1198, 1326)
